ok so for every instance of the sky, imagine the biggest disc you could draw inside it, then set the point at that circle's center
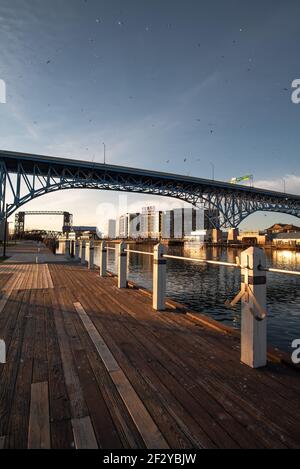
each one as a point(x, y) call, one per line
point(179, 86)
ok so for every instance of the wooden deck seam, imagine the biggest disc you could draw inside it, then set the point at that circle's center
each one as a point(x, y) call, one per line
point(150, 434)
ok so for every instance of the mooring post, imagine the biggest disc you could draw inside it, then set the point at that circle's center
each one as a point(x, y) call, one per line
point(91, 255)
point(122, 266)
point(83, 245)
point(68, 254)
point(253, 320)
point(77, 249)
point(159, 278)
point(103, 259)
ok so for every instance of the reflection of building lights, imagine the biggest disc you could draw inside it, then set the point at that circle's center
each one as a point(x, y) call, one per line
point(286, 257)
point(198, 233)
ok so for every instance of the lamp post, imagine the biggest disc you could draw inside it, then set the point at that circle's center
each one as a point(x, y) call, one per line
point(213, 171)
point(284, 185)
point(104, 151)
point(5, 233)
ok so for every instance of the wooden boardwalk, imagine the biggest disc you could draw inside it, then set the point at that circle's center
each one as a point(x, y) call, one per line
point(92, 366)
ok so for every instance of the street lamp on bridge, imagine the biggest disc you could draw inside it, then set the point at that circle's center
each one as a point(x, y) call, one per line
point(104, 151)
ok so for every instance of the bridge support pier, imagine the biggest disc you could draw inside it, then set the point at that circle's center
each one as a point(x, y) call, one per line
point(91, 255)
point(103, 259)
point(254, 322)
point(159, 278)
point(122, 265)
point(68, 252)
point(83, 247)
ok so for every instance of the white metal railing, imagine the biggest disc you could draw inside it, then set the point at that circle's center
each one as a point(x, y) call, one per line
point(279, 271)
point(252, 293)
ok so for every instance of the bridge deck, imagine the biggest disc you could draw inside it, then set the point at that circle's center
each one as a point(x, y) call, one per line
point(89, 365)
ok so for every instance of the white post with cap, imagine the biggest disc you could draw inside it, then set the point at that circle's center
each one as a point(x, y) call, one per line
point(253, 309)
point(159, 278)
point(77, 249)
point(91, 254)
point(103, 259)
point(122, 265)
point(83, 246)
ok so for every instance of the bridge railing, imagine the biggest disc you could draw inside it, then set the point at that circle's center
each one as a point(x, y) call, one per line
point(252, 295)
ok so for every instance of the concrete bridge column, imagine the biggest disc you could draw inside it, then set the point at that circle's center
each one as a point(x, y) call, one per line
point(67, 246)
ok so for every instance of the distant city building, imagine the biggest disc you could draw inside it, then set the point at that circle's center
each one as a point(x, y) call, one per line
point(130, 225)
point(150, 223)
point(111, 229)
point(167, 224)
point(282, 228)
point(134, 228)
point(123, 226)
point(253, 237)
point(287, 239)
point(181, 223)
point(83, 232)
point(178, 223)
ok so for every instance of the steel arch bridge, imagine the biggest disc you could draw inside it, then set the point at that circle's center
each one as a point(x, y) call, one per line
point(27, 176)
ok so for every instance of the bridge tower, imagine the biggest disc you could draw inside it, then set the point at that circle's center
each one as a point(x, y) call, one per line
point(19, 224)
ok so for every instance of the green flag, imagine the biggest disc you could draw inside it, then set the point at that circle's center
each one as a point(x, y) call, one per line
point(248, 177)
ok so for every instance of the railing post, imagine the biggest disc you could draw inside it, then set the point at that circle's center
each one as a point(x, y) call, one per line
point(253, 320)
point(159, 278)
point(72, 250)
point(91, 255)
point(77, 249)
point(103, 259)
point(83, 243)
point(67, 244)
point(122, 266)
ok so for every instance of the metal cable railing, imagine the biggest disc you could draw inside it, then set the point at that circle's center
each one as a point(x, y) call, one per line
point(146, 253)
point(212, 262)
point(203, 261)
point(279, 271)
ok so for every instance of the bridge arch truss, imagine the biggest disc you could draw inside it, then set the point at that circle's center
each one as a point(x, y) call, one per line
point(26, 177)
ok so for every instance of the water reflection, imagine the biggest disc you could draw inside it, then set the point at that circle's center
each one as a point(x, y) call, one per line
point(205, 288)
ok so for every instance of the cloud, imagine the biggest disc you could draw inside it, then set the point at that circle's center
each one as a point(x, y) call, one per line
point(290, 181)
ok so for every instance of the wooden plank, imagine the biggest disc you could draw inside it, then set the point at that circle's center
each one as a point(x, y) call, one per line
point(59, 404)
point(104, 427)
point(84, 435)
point(19, 416)
point(2, 442)
point(40, 364)
point(77, 402)
point(39, 429)
point(48, 277)
point(9, 287)
point(141, 417)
